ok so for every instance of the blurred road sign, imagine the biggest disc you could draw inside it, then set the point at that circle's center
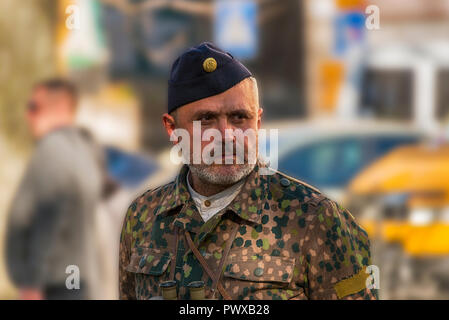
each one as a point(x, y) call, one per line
point(235, 27)
point(349, 31)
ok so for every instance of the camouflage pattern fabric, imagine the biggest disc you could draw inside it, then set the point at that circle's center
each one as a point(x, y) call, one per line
point(292, 243)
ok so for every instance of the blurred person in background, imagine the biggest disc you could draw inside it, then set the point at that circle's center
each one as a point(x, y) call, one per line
point(51, 217)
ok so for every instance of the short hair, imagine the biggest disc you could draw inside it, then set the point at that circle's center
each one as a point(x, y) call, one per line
point(60, 84)
point(174, 114)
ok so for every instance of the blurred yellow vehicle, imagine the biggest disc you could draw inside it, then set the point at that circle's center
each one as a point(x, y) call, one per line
point(402, 201)
point(418, 177)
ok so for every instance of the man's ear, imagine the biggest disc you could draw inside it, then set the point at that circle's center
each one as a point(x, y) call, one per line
point(259, 118)
point(169, 124)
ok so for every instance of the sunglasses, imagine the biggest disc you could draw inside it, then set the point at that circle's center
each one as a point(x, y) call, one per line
point(32, 106)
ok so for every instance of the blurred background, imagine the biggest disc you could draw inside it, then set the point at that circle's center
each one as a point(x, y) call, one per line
point(360, 98)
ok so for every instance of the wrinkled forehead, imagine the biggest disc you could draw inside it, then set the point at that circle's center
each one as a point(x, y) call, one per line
point(44, 94)
point(39, 93)
point(242, 96)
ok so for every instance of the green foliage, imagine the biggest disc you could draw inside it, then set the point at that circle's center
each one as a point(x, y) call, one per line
point(27, 48)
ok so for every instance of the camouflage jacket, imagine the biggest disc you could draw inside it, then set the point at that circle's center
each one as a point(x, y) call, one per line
point(292, 243)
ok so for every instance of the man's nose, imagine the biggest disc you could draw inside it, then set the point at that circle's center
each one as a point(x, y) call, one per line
point(226, 130)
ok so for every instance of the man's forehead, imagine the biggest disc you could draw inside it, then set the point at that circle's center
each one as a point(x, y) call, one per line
point(39, 93)
point(217, 106)
point(235, 98)
point(44, 92)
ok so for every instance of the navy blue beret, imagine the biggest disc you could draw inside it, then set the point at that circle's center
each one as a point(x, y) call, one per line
point(201, 72)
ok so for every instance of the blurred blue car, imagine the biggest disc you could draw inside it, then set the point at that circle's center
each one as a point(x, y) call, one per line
point(129, 169)
point(327, 155)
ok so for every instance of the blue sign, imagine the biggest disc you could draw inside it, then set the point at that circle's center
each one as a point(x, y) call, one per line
point(349, 31)
point(235, 28)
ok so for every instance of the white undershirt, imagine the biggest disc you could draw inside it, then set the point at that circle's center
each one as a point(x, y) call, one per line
point(217, 201)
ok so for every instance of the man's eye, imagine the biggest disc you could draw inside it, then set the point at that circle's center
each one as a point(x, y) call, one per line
point(205, 118)
point(239, 117)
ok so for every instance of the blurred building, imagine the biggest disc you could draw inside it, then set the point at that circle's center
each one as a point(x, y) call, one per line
point(397, 72)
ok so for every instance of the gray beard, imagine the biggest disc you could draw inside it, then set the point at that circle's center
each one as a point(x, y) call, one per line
point(206, 176)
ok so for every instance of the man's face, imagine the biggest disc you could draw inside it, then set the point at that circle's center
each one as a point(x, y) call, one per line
point(236, 108)
point(47, 110)
point(37, 108)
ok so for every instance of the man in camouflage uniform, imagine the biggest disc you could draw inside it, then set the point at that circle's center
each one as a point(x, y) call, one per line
point(277, 238)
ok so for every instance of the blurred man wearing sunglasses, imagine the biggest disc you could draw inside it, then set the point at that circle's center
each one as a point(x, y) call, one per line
point(50, 219)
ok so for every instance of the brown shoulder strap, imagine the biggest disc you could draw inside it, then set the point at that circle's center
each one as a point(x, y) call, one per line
point(226, 250)
point(205, 266)
point(175, 254)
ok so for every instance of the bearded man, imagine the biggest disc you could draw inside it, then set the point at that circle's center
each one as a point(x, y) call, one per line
point(239, 230)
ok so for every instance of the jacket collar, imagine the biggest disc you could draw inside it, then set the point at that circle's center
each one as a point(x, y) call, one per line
point(248, 204)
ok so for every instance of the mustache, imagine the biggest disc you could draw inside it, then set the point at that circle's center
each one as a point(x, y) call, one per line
point(221, 153)
point(237, 151)
point(227, 148)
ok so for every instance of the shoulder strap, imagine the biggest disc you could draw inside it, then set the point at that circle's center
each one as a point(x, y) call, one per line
point(175, 254)
point(205, 266)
